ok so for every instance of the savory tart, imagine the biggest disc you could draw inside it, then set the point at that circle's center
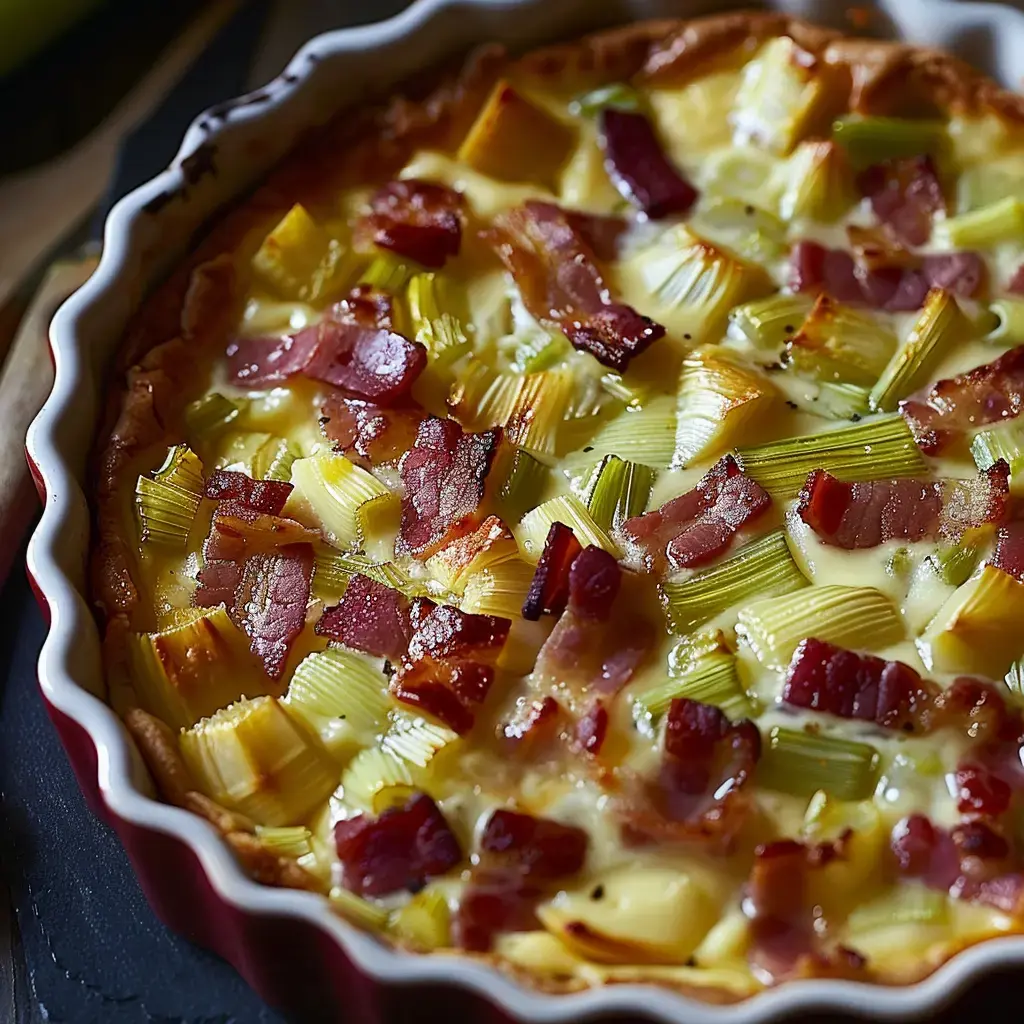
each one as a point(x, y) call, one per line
point(569, 516)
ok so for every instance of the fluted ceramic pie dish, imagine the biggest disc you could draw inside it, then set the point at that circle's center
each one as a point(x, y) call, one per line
point(216, 159)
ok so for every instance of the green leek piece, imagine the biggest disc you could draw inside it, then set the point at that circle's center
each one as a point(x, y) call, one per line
point(388, 273)
point(955, 563)
point(354, 508)
point(435, 323)
point(646, 436)
point(333, 569)
point(685, 653)
point(207, 416)
point(764, 568)
point(939, 328)
point(541, 402)
point(285, 840)
point(373, 770)
point(482, 396)
point(769, 323)
point(712, 680)
point(802, 763)
point(719, 402)
point(1009, 328)
point(168, 503)
point(416, 740)
point(872, 140)
point(620, 491)
point(425, 921)
point(909, 903)
point(821, 185)
point(858, 617)
point(618, 96)
point(839, 344)
point(540, 351)
point(830, 400)
point(1015, 678)
point(1000, 441)
point(754, 233)
point(523, 486)
point(273, 460)
point(876, 449)
point(999, 222)
point(499, 590)
point(533, 528)
point(342, 697)
point(356, 910)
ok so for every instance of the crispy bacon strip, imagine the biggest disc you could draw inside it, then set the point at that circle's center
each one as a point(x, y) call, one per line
point(549, 588)
point(400, 849)
point(904, 195)
point(372, 434)
point(267, 497)
point(865, 515)
point(354, 347)
point(449, 663)
point(896, 288)
point(824, 677)
point(532, 723)
point(698, 526)
point(989, 393)
point(639, 168)
point(700, 791)
point(417, 219)
point(1009, 552)
point(370, 617)
point(558, 278)
point(444, 474)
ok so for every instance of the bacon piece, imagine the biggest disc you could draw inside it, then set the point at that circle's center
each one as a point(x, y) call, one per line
point(698, 526)
point(904, 195)
point(1015, 286)
point(824, 677)
point(1009, 553)
point(981, 792)
point(560, 283)
point(449, 663)
point(354, 347)
point(374, 434)
point(591, 729)
point(599, 641)
point(400, 849)
point(519, 856)
point(989, 393)
point(867, 514)
point(369, 617)
point(533, 722)
point(417, 219)
point(699, 793)
point(979, 709)
point(639, 168)
point(894, 288)
point(264, 496)
point(601, 233)
point(549, 588)
point(444, 474)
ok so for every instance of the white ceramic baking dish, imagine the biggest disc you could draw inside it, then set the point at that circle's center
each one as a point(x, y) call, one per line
point(288, 944)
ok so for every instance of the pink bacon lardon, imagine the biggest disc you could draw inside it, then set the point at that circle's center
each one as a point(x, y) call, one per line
point(639, 168)
point(557, 275)
point(520, 858)
point(698, 526)
point(449, 665)
point(865, 515)
point(1009, 552)
point(549, 588)
point(905, 194)
point(989, 393)
point(444, 474)
point(354, 347)
point(370, 434)
point(824, 677)
point(785, 943)
point(894, 288)
point(417, 219)
point(399, 850)
point(371, 618)
point(257, 564)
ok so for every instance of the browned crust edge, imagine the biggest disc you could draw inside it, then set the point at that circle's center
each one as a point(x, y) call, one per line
point(190, 314)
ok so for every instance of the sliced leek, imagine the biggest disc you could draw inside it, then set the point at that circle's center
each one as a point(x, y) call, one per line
point(523, 486)
point(876, 449)
point(939, 328)
point(541, 402)
point(1001, 441)
point(489, 547)
point(389, 273)
point(351, 507)
point(168, 502)
point(342, 696)
point(762, 569)
point(646, 436)
point(416, 740)
point(719, 403)
point(712, 680)
point(872, 140)
point(1014, 678)
point(618, 95)
point(333, 569)
point(769, 323)
point(273, 460)
point(908, 903)
point(252, 757)
point(360, 912)
point(821, 183)
point(207, 416)
point(620, 490)
point(955, 563)
point(802, 763)
point(425, 921)
point(1001, 221)
point(285, 840)
point(499, 590)
point(533, 528)
point(1009, 325)
point(435, 324)
point(831, 399)
point(371, 771)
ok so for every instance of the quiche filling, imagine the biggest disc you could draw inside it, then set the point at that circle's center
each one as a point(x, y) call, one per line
point(596, 544)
